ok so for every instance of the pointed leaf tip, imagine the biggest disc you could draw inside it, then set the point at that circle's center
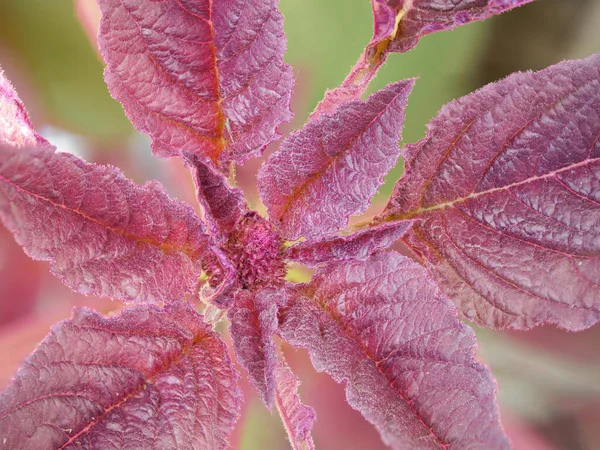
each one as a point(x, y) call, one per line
point(331, 168)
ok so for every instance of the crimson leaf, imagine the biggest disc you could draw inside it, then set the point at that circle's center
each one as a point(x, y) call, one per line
point(104, 234)
point(15, 128)
point(297, 418)
point(149, 378)
point(253, 317)
point(200, 76)
point(382, 327)
point(506, 187)
point(331, 168)
point(359, 245)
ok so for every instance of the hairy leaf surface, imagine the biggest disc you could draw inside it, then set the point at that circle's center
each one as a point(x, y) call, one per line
point(223, 205)
point(359, 245)
point(149, 378)
point(15, 128)
point(199, 76)
point(382, 327)
point(507, 189)
point(253, 317)
point(104, 234)
point(297, 418)
point(331, 168)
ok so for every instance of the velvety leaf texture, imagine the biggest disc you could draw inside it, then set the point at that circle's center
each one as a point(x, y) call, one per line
point(359, 245)
point(86, 385)
point(297, 418)
point(223, 205)
point(507, 189)
point(331, 168)
point(104, 234)
point(253, 317)
point(15, 128)
point(214, 85)
point(382, 327)
point(403, 22)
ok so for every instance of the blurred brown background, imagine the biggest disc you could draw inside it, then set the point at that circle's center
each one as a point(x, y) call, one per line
point(549, 380)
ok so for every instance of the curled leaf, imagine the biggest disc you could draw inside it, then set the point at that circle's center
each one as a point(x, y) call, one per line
point(215, 85)
point(505, 189)
point(148, 378)
point(103, 234)
point(331, 168)
point(382, 327)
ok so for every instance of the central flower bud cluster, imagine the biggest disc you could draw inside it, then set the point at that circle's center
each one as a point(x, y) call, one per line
point(256, 250)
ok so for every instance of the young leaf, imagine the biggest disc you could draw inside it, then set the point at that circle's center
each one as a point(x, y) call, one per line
point(506, 187)
point(149, 378)
point(359, 245)
point(331, 168)
point(223, 205)
point(15, 128)
point(205, 77)
point(104, 234)
point(382, 328)
point(297, 418)
point(253, 317)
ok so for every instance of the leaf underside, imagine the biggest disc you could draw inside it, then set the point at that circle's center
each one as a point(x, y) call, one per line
point(331, 168)
point(103, 234)
point(86, 386)
point(215, 85)
point(505, 191)
point(407, 361)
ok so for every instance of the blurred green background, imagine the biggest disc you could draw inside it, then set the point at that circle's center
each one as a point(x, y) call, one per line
point(54, 66)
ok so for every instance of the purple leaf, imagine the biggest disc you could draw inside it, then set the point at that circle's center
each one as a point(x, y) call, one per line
point(331, 168)
point(148, 378)
point(15, 128)
point(408, 363)
point(400, 23)
point(297, 418)
point(507, 189)
point(199, 76)
point(104, 234)
point(253, 317)
point(223, 205)
point(359, 245)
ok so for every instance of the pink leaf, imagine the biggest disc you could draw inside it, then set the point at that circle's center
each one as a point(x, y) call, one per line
point(200, 76)
point(145, 379)
point(506, 187)
point(331, 168)
point(359, 245)
point(15, 128)
point(253, 317)
point(400, 23)
point(297, 418)
point(223, 205)
point(104, 234)
point(382, 327)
